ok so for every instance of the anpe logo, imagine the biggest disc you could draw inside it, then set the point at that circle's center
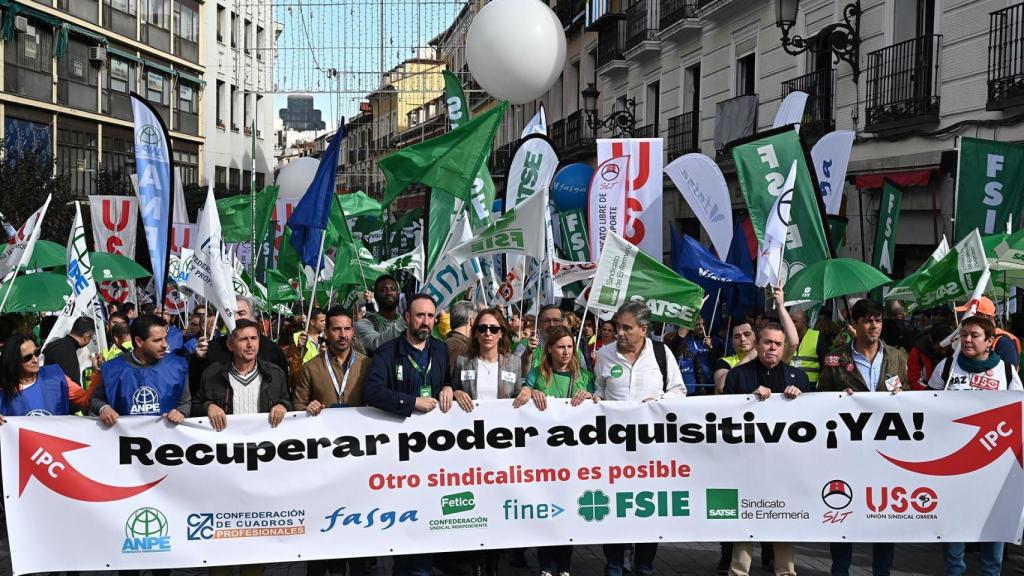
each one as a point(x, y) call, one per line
point(723, 503)
point(837, 494)
point(145, 400)
point(38, 412)
point(455, 503)
point(146, 530)
point(593, 505)
point(898, 501)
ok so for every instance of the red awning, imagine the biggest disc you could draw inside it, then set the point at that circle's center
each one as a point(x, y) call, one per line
point(903, 179)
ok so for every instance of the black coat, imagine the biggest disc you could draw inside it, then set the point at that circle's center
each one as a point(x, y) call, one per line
point(383, 388)
point(214, 388)
point(746, 378)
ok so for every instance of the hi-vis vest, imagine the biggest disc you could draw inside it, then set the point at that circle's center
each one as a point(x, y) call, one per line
point(807, 356)
point(732, 361)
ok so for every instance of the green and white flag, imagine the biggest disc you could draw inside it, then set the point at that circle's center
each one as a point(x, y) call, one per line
point(762, 166)
point(990, 186)
point(575, 244)
point(954, 277)
point(83, 287)
point(626, 274)
point(902, 289)
point(518, 231)
point(411, 261)
point(888, 218)
point(482, 195)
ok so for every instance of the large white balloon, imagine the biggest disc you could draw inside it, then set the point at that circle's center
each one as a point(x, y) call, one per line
point(295, 177)
point(515, 49)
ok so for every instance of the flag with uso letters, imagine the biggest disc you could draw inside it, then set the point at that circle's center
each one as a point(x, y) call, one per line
point(627, 274)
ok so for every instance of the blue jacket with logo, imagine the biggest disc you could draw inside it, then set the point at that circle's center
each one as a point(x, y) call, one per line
point(48, 395)
point(125, 381)
point(389, 383)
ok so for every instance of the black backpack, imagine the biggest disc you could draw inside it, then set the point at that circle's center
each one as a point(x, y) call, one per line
point(661, 355)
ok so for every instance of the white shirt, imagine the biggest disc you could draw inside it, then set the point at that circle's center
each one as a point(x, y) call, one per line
point(488, 375)
point(618, 380)
point(960, 379)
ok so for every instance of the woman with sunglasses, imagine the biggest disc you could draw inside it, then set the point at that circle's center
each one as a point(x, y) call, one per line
point(31, 390)
point(490, 370)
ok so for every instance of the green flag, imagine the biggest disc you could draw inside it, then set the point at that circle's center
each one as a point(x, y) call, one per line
point(954, 277)
point(885, 235)
point(279, 289)
point(370, 231)
point(902, 289)
point(479, 206)
point(288, 261)
point(627, 274)
point(236, 215)
point(359, 204)
point(450, 161)
point(265, 258)
point(400, 233)
point(837, 231)
point(990, 186)
point(518, 231)
point(347, 270)
point(762, 165)
point(573, 225)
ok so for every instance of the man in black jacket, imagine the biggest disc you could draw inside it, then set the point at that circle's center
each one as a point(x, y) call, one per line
point(763, 376)
point(64, 351)
point(243, 385)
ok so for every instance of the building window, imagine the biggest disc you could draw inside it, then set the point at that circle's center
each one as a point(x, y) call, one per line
point(76, 159)
point(245, 112)
point(187, 98)
point(247, 181)
point(260, 181)
point(259, 120)
point(234, 30)
point(29, 63)
point(126, 6)
point(220, 176)
point(235, 183)
point(76, 77)
point(157, 13)
point(118, 158)
point(120, 75)
point(156, 88)
point(219, 96)
point(247, 36)
point(231, 104)
point(746, 80)
point(691, 88)
point(261, 42)
point(188, 22)
point(188, 164)
point(221, 14)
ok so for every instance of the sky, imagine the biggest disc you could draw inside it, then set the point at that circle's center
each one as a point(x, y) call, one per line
point(346, 36)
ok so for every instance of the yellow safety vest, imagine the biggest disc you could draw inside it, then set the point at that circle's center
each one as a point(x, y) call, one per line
point(732, 361)
point(807, 356)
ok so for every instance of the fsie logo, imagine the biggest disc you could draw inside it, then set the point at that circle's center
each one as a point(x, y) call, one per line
point(594, 505)
point(146, 530)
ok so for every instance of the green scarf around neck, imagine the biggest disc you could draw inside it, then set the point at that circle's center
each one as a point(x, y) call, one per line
point(975, 365)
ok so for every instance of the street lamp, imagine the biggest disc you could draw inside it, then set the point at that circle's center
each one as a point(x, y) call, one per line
point(621, 122)
point(840, 38)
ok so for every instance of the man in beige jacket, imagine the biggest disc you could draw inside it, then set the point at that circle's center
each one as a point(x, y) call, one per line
point(335, 377)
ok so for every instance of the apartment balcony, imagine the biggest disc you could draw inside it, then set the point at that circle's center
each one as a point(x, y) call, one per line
point(683, 134)
point(735, 118)
point(358, 155)
point(611, 47)
point(903, 85)
point(580, 139)
point(819, 114)
point(677, 16)
point(642, 30)
point(556, 133)
point(1006, 58)
point(570, 13)
point(646, 131)
point(601, 14)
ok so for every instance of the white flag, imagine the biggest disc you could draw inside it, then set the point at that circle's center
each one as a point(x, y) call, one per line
point(518, 231)
point(702, 184)
point(83, 287)
point(537, 125)
point(452, 275)
point(769, 262)
point(210, 272)
point(412, 261)
point(19, 247)
point(607, 204)
point(564, 272)
point(831, 157)
point(791, 111)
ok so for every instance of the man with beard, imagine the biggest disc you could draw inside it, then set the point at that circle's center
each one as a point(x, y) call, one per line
point(409, 373)
point(385, 324)
point(335, 377)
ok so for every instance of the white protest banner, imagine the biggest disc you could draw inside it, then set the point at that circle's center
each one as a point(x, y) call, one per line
point(210, 272)
point(518, 231)
point(831, 157)
point(183, 235)
point(114, 231)
point(18, 250)
point(83, 287)
point(565, 272)
point(606, 202)
point(643, 216)
point(532, 167)
point(829, 468)
point(453, 275)
point(702, 184)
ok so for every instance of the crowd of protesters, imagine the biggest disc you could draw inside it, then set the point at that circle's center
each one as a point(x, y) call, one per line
point(399, 354)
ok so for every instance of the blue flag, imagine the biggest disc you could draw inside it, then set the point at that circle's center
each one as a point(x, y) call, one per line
point(740, 298)
point(697, 264)
point(153, 167)
point(309, 218)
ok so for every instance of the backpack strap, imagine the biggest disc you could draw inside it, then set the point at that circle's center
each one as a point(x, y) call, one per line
point(947, 367)
point(661, 355)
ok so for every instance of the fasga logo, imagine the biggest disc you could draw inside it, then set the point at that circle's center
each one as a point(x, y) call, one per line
point(146, 400)
point(146, 530)
point(383, 521)
point(610, 172)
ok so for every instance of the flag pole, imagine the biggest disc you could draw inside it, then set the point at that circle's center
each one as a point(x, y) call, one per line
point(711, 324)
point(316, 277)
point(9, 287)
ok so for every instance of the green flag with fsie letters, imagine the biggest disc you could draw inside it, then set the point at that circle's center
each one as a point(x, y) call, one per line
point(573, 225)
point(450, 162)
point(627, 274)
point(954, 276)
point(762, 166)
point(990, 188)
point(482, 193)
point(885, 234)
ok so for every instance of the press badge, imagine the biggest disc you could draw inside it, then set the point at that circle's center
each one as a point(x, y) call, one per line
point(893, 383)
point(508, 377)
point(469, 374)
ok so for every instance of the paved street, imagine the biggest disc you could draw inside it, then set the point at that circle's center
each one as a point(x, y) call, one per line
point(697, 559)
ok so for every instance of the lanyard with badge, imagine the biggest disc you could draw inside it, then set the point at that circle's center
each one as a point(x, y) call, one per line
point(424, 384)
point(334, 378)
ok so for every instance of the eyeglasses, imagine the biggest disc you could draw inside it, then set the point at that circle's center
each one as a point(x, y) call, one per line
point(484, 328)
point(29, 357)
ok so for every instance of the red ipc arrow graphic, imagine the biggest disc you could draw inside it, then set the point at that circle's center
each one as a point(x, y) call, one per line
point(42, 456)
point(999, 430)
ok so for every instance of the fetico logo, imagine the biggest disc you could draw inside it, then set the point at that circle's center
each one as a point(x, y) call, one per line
point(723, 503)
point(145, 400)
point(594, 505)
point(455, 503)
point(146, 530)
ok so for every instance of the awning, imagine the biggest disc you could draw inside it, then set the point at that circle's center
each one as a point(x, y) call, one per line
point(160, 67)
point(904, 179)
point(190, 78)
point(126, 55)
